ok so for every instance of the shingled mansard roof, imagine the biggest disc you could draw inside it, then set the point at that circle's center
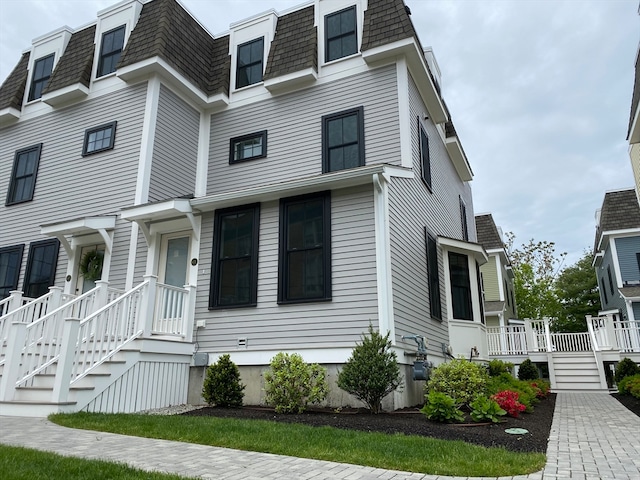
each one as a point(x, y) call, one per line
point(487, 232)
point(166, 30)
point(12, 89)
point(75, 65)
point(620, 211)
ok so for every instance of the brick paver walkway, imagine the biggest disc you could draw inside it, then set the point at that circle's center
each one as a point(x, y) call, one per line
point(592, 437)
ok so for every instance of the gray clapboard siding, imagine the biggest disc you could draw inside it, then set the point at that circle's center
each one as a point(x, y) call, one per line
point(628, 248)
point(294, 123)
point(175, 149)
point(70, 186)
point(339, 322)
point(440, 213)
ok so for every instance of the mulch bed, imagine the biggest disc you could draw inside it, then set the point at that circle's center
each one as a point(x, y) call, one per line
point(629, 401)
point(411, 422)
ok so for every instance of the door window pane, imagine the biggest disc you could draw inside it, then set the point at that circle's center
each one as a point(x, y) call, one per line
point(176, 261)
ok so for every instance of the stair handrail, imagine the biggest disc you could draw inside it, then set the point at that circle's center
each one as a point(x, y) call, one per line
point(42, 342)
point(592, 334)
point(109, 329)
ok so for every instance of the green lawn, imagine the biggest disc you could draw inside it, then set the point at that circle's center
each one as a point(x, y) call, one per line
point(395, 452)
point(17, 463)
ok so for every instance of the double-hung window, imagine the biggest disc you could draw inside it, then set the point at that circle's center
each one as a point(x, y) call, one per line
point(305, 248)
point(42, 69)
point(463, 220)
point(343, 140)
point(250, 58)
point(433, 272)
point(460, 286)
point(248, 147)
point(110, 51)
point(41, 267)
point(425, 160)
point(23, 175)
point(10, 260)
point(99, 139)
point(235, 260)
point(341, 34)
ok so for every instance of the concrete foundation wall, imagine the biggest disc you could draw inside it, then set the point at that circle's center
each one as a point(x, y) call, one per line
point(411, 393)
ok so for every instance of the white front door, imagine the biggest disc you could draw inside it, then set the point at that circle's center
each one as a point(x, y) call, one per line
point(174, 259)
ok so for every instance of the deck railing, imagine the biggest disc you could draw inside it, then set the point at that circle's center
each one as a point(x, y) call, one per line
point(170, 310)
point(628, 335)
point(571, 342)
point(508, 340)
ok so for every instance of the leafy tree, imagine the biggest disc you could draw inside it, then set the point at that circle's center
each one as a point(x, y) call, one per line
point(535, 265)
point(372, 371)
point(577, 291)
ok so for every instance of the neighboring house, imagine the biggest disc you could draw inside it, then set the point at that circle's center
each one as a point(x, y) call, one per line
point(497, 275)
point(278, 187)
point(633, 133)
point(617, 255)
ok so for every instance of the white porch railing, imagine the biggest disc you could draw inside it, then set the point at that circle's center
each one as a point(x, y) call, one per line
point(571, 342)
point(508, 340)
point(85, 333)
point(628, 335)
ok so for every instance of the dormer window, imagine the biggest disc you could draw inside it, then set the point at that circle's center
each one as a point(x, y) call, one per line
point(250, 57)
point(341, 34)
point(110, 50)
point(42, 69)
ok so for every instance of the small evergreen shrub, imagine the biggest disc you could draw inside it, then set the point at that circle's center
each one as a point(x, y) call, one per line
point(292, 384)
point(528, 371)
point(460, 379)
point(222, 386)
point(495, 367)
point(372, 371)
point(484, 409)
point(630, 386)
point(442, 408)
point(625, 368)
point(508, 401)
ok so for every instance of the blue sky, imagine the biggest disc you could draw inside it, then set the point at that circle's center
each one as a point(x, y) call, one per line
point(539, 91)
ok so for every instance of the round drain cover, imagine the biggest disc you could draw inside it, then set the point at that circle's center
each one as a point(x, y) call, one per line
point(516, 431)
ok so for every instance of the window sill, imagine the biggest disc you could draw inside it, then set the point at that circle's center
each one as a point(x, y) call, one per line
point(308, 300)
point(232, 307)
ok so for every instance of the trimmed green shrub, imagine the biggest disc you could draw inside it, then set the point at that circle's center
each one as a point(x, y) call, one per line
point(460, 379)
point(292, 384)
point(495, 367)
point(222, 386)
point(442, 408)
point(372, 371)
point(528, 371)
point(541, 388)
point(630, 386)
point(625, 368)
point(484, 409)
point(508, 400)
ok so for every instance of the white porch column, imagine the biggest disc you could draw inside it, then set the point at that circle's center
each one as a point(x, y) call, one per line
point(62, 380)
point(15, 342)
point(383, 257)
point(148, 304)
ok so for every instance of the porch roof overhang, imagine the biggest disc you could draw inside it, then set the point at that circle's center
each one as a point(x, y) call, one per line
point(476, 250)
point(299, 186)
point(145, 215)
point(630, 293)
point(494, 308)
point(81, 226)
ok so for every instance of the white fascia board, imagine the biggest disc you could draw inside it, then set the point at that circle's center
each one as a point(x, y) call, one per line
point(79, 226)
point(418, 68)
point(291, 81)
point(141, 71)
point(474, 249)
point(64, 96)
point(627, 232)
point(459, 159)
point(634, 133)
point(299, 186)
point(177, 207)
point(9, 115)
point(597, 259)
